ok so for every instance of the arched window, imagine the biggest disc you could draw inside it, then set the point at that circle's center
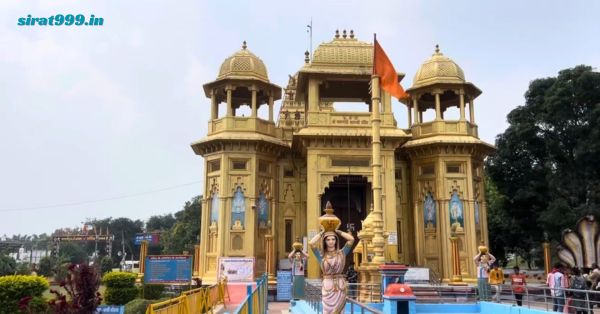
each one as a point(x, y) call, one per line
point(238, 208)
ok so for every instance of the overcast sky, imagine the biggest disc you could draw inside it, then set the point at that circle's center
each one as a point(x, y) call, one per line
point(109, 112)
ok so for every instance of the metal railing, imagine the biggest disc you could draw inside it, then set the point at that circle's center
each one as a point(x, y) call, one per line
point(256, 300)
point(542, 297)
point(200, 300)
point(361, 308)
point(312, 294)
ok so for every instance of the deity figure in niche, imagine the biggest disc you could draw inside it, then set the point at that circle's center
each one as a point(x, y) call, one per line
point(214, 208)
point(263, 210)
point(456, 212)
point(238, 208)
point(429, 211)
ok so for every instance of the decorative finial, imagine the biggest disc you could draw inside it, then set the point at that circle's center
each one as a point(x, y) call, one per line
point(351, 33)
point(337, 33)
point(344, 35)
point(244, 46)
point(328, 208)
point(437, 48)
point(306, 58)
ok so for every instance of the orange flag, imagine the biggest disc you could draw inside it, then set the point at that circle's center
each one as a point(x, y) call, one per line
point(388, 77)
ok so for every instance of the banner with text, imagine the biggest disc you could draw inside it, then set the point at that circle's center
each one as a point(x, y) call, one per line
point(168, 269)
point(236, 269)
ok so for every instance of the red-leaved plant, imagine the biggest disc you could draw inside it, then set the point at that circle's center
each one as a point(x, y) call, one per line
point(81, 296)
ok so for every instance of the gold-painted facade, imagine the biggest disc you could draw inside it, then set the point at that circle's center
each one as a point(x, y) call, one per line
point(313, 154)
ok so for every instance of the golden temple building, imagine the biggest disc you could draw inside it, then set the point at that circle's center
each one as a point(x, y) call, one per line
point(267, 179)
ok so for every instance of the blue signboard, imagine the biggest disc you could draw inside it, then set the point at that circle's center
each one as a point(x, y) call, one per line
point(152, 238)
point(112, 309)
point(284, 285)
point(168, 269)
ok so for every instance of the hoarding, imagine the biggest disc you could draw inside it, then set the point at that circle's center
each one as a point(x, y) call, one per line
point(236, 269)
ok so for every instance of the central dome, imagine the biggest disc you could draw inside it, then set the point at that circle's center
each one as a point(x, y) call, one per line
point(344, 54)
point(438, 69)
point(243, 65)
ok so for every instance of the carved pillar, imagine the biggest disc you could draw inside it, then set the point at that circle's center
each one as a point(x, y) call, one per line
point(546, 246)
point(409, 116)
point(416, 110)
point(456, 273)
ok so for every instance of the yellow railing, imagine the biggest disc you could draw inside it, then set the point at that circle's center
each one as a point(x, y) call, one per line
point(200, 300)
point(256, 300)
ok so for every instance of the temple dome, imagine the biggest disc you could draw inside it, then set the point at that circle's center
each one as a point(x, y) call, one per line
point(344, 55)
point(243, 65)
point(438, 69)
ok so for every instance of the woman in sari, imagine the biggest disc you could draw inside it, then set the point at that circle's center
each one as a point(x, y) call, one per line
point(332, 260)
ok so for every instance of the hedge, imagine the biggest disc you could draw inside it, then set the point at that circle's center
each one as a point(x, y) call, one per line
point(120, 287)
point(14, 288)
point(119, 279)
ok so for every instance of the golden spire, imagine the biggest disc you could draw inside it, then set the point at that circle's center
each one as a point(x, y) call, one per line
point(244, 46)
point(306, 58)
point(337, 33)
point(437, 49)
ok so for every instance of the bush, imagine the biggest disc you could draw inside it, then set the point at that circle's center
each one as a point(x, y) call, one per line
point(120, 287)
point(120, 296)
point(38, 305)
point(119, 279)
point(23, 269)
point(14, 288)
point(138, 306)
point(45, 266)
point(153, 292)
point(106, 264)
point(7, 265)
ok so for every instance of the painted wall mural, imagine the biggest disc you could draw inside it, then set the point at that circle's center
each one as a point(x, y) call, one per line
point(214, 208)
point(456, 211)
point(429, 210)
point(238, 208)
point(263, 210)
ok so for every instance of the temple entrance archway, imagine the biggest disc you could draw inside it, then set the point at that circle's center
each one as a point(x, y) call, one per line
point(348, 195)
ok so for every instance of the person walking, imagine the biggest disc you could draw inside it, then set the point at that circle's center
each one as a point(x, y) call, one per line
point(496, 280)
point(579, 303)
point(518, 283)
point(556, 281)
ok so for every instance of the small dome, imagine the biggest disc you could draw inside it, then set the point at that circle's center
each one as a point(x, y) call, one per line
point(243, 65)
point(438, 69)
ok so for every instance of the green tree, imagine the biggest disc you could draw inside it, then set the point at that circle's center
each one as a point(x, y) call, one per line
point(184, 233)
point(160, 222)
point(46, 266)
point(73, 252)
point(7, 265)
point(545, 168)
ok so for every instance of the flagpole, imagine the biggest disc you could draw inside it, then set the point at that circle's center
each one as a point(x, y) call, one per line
point(378, 240)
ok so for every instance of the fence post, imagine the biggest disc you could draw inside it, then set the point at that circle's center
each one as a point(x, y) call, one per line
point(249, 298)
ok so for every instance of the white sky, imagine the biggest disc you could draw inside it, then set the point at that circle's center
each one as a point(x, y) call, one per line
point(89, 113)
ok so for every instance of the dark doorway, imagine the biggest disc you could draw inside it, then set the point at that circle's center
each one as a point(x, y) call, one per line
point(348, 196)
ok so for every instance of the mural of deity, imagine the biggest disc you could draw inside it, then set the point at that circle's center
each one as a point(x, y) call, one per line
point(429, 211)
point(238, 207)
point(214, 208)
point(263, 210)
point(456, 211)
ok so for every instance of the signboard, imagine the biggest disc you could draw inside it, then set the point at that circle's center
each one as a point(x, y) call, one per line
point(152, 238)
point(112, 309)
point(392, 238)
point(417, 275)
point(168, 269)
point(236, 269)
point(84, 238)
point(284, 285)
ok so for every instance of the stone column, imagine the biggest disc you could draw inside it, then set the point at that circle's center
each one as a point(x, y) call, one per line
point(409, 116)
point(378, 241)
point(416, 110)
point(271, 108)
point(462, 105)
point(254, 105)
point(472, 110)
point(438, 111)
point(229, 104)
point(214, 106)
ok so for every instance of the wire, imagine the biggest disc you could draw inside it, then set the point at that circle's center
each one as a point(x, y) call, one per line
point(100, 200)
